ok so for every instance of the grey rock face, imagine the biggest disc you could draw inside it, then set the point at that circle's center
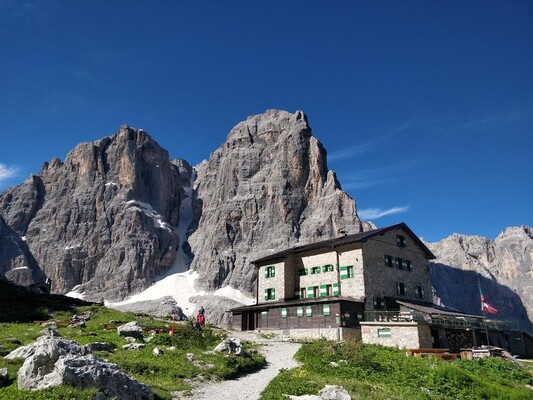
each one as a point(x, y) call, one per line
point(503, 267)
point(61, 362)
point(102, 219)
point(17, 263)
point(163, 307)
point(266, 188)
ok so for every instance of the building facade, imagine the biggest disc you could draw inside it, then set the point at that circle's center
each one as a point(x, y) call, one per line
point(328, 288)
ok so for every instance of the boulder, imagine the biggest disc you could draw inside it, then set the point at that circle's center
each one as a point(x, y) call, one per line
point(49, 332)
point(133, 346)
point(63, 362)
point(329, 392)
point(231, 346)
point(132, 329)
point(99, 346)
point(157, 352)
point(21, 352)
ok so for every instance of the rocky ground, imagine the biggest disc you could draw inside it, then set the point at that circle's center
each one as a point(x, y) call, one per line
point(279, 354)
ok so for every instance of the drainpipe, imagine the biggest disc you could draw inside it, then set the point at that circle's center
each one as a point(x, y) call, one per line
point(338, 269)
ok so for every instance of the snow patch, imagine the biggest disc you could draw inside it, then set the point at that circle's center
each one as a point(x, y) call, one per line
point(19, 268)
point(234, 294)
point(111, 184)
point(150, 212)
point(179, 286)
point(23, 238)
point(74, 293)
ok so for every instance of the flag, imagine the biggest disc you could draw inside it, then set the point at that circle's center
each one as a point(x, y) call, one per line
point(484, 305)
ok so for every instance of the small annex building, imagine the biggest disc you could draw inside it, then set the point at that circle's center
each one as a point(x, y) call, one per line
point(374, 286)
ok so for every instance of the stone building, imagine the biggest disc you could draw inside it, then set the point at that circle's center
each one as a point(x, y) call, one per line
point(374, 286)
point(325, 288)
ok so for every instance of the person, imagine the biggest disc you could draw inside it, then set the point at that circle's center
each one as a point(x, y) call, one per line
point(201, 319)
point(201, 311)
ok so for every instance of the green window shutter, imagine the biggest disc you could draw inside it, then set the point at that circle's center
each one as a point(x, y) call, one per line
point(283, 313)
point(266, 294)
point(336, 290)
point(266, 272)
point(326, 309)
point(308, 311)
point(299, 311)
point(323, 290)
point(273, 294)
point(344, 273)
point(310, 292)
point(324, 268)
point(273, 272)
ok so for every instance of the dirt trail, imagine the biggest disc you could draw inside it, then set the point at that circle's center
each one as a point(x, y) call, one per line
point(279, 354)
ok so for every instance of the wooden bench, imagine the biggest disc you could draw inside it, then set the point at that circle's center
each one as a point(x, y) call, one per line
point(443, 354)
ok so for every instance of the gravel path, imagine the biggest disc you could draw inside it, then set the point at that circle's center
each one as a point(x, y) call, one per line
point(279, 354)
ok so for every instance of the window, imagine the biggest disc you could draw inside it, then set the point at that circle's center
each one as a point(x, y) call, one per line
point(384, 332)
point(400, 240)
point(388, 261)
point(400, 288)
point(325, 290)
point(378, 303)
point(336, 289)
point(312, 292)
point(326, 310)
point(308, 311)
point(347, 272)
point(315, 270)
point(419, 292)
point(303, 293)
point(270, 272)
point(299, 311)
point(399, 263)
point(270, 294)
point(406, 264)
point(283, 313)
point(302, 271)
point(327, 268)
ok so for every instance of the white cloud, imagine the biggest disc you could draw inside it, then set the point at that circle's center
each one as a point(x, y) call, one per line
point(7, 172)
point(375, 213)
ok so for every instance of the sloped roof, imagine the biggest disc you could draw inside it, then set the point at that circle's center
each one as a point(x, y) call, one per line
point(348, 239)
point(435, 310)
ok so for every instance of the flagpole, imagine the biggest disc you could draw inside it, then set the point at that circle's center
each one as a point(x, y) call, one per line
point(484, 314)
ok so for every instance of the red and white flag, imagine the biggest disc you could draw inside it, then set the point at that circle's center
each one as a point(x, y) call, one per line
point(486, 306)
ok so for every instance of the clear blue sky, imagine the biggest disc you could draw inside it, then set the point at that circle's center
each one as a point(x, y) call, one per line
point(425, 107)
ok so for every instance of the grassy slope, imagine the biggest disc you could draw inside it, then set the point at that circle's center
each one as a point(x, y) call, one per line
point(167, 373)
point(375, 372)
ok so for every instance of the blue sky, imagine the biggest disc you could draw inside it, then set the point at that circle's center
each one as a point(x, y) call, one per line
point(425, 108)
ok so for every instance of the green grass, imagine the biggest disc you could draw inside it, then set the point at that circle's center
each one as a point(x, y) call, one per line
point(376, 372)
point(169, 372)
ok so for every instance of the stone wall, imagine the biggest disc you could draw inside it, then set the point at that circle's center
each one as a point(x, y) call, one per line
point(320, 333)
point(381, 280)
point(277, 282)
point(410, 335)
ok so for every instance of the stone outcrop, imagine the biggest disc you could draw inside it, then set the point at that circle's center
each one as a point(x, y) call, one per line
point(104, 218)
point(164, 307)
point(17, 263)
point(131, 329)
point(57, 362)
point(503, 267)
point(265, 189)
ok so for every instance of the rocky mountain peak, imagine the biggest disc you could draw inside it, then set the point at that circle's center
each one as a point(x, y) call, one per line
point(266, 188)
point(104, 217)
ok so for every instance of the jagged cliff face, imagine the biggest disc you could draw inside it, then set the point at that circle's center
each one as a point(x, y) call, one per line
point(103, 218)
point(16, 261)
point(504, 265)
point(265, 189)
